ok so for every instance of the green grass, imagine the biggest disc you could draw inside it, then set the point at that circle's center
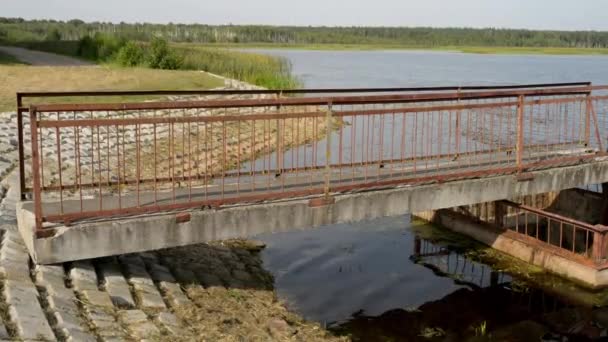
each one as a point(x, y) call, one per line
point(373, 47)
point(262, 70)
point(6, 59)
point(31, 78)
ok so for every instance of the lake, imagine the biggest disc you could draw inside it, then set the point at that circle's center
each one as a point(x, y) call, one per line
point(390, 279)
point(366, 69)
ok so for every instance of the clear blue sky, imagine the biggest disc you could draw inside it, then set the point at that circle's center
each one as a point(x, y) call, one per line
point(533, 14)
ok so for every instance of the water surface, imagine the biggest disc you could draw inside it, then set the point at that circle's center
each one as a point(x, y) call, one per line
point(382, 280)
point(366, 69)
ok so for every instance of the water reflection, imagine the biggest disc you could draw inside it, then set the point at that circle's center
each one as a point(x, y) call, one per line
point(489, 304)
point(383, 280)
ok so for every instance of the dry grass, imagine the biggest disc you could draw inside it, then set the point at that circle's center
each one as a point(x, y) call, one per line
point(236, 310)
point(30, 78)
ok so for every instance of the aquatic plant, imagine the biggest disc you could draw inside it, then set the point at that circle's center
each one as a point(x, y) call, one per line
point(431, 332)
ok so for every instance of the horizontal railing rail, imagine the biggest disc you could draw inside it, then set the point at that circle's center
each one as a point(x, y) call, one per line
point(48, 94)
point(312, 101)
point(93, 161)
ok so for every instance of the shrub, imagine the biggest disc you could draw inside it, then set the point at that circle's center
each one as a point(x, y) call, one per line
point(132, 54)
point(87, 48)
point(101, 47)
point(160, 56)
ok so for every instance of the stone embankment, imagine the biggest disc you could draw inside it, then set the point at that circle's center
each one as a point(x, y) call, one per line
point(196, 293)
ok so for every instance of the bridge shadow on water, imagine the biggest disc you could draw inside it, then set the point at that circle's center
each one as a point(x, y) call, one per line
point(384, 280)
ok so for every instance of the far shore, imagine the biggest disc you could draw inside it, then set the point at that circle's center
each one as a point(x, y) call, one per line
point(499, 50)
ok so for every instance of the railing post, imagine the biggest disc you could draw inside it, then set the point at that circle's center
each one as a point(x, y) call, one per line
point(598, 250)
point(457, 133)
point(520, 132)
point(328, 131)
point(36, 170)
point(21, 147)
point(596, 124)
point(279, 152)
point(587, 120)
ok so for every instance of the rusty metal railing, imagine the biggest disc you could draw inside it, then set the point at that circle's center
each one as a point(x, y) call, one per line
point(94, 161)
point(572, 237)
point(37, 97)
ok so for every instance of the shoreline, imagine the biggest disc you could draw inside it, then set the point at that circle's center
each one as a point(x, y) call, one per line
point(482, 50)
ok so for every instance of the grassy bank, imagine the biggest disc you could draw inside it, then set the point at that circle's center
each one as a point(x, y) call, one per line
point(27, 78)
point(262, 70)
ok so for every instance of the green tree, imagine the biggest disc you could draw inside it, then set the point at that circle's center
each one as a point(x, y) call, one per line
point(160, 55)
point(54, 35)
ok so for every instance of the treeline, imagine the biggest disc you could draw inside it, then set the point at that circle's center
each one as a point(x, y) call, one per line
point(17, 29)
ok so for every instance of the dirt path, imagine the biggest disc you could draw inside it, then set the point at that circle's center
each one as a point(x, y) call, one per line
point(39, 58)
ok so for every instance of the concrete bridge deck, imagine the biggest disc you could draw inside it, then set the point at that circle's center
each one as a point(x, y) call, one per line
point(162, 230)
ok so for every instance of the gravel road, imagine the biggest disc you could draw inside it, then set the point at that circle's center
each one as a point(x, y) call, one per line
point(39, 58)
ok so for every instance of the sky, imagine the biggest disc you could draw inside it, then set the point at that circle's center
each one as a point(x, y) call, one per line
point(530, 14)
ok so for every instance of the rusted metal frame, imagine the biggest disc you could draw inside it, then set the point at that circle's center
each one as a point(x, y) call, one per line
point(553, 216)
point(36, 170)
point(21, 147)
point(596, 124)
point(371, 162)
point(289, 170)
point(529, 240)
point(285, 91)
point(59, 168)
point(99, 168)
point(138, 161)
point(312, 100)
point(598, 252)
point(555, 100)
point(328, 130)
point(281, 195)
point(520, 132)
point(118, 166)
point(174, 120)
point(70, 217)
point(587, 120)
point(169, 120)
point(599, 97)
point(21, 109)
point(78, 163)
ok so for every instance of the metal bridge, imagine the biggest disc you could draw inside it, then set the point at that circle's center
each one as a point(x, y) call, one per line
point(85, 166)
